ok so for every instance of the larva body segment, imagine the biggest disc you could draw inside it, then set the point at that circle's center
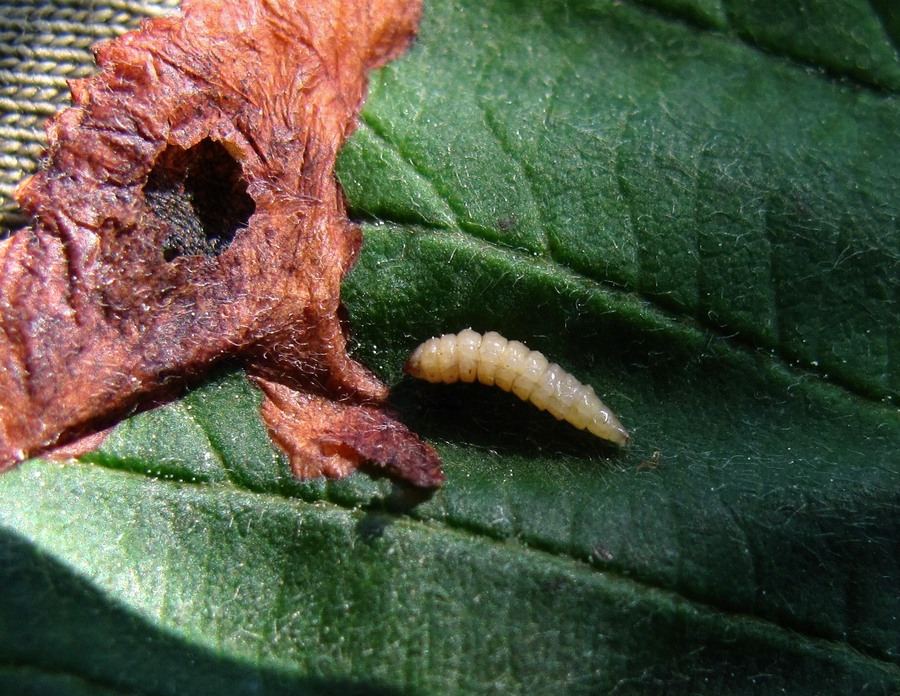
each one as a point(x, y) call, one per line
point(490, 353)
point(532, 370)
point(491, 359)
point(447, 359)
point(468, 344)
point(546, 387)
point(510, 365)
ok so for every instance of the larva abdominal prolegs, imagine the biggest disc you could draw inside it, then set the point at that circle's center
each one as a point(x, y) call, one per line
point(491, 359)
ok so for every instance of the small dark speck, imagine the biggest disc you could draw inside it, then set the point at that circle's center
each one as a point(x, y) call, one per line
point(654, 462)
point(507, 224)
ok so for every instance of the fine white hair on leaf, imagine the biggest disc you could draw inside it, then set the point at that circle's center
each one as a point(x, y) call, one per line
point(491, 359)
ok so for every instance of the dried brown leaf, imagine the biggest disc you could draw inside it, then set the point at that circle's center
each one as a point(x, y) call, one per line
point(187, 213)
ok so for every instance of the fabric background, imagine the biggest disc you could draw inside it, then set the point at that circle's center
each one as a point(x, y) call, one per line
point(43, 43)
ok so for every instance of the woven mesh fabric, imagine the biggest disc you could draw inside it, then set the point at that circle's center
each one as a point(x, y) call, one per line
point(43, 43)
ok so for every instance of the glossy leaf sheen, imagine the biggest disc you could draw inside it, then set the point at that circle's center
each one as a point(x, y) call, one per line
point(703, 231)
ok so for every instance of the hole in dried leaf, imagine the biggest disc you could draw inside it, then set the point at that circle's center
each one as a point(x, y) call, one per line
point(202, 195)
point(86, 279)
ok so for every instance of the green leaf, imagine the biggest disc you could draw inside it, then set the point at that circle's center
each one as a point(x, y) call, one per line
point(666, 199)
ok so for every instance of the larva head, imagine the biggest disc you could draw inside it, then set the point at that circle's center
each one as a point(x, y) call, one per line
point(423, 362)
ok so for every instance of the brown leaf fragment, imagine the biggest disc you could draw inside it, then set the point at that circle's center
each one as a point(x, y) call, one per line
point(326, 437)
point(188, 212)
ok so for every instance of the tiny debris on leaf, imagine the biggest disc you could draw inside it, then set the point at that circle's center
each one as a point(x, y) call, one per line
point(187, 213)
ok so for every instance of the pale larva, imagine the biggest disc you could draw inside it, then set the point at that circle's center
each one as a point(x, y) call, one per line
point(491, 359)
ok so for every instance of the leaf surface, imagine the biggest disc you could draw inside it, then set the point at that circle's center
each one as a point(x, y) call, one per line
point(686, 217)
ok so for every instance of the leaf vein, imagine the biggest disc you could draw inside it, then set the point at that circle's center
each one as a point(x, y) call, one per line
point(740, 35)
point(658, 316)
point(378, 131)
point(517, 544)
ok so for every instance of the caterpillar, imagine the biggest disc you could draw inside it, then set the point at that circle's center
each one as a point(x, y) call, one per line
point(491, 359)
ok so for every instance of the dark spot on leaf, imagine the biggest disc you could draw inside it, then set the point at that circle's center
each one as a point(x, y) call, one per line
point(508, 223)
point(372, 526)
point(201, 194)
